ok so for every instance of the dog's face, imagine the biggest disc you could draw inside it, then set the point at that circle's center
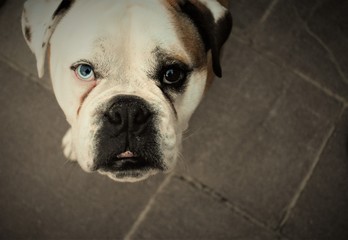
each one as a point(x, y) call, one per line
point(128, 75)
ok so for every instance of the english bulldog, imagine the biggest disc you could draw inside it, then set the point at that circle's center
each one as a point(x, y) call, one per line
point(128, 74)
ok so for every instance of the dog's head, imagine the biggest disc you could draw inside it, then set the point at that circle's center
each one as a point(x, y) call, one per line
point(128, 74)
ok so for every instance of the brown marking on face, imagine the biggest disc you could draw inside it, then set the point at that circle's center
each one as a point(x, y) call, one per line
point(187, 34)
point(190, 36)
point(85, 95)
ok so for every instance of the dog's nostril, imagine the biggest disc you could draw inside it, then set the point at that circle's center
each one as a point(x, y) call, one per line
point(130, 114)
point(114, 116)
point(117, 118)
point(138, 119)
point(141, 116)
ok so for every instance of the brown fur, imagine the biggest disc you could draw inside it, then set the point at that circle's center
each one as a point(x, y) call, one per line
point(189, 35)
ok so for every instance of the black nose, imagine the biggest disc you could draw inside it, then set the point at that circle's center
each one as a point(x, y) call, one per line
point(129, 114)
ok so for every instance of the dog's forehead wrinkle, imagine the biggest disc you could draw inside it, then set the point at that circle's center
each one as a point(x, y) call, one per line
point(105, 54)
point(129, 44)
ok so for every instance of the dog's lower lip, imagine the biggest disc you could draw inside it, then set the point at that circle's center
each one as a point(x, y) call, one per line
point(127, 163)
point(128, 159)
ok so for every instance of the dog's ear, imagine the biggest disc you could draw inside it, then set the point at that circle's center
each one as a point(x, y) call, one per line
point(39, 19)
point(213, 21)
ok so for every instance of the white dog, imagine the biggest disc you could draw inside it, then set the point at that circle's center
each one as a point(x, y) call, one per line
point(128, 75)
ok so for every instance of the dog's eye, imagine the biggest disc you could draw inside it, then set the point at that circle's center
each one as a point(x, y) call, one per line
point(173, 75)
point(85, 72)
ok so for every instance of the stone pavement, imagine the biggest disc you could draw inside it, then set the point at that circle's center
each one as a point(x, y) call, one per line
point(265, 157)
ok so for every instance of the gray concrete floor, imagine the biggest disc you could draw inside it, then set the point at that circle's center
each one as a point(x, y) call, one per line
point(265, 157)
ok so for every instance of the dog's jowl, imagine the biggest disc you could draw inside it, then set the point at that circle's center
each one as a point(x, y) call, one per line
point(128, 74)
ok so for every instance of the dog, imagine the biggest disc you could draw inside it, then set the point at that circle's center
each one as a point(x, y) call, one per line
point(128, 75)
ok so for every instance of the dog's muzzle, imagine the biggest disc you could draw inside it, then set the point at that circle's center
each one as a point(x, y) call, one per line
point(128, 139)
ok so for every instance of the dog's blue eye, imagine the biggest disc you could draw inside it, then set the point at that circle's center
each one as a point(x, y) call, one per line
point(85, 72)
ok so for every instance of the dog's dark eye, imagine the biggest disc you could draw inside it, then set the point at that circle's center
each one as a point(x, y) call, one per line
point(173, 75)
point(85, 72)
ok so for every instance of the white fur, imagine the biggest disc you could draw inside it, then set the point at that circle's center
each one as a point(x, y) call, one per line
point(68, 147)
point(216, 8)
point(120, 36)
point(39, 14)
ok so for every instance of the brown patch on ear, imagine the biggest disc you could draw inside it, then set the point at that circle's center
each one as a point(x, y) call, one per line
point(212, 33)
point(27, 33)
point(210, 73)
point(188, 14)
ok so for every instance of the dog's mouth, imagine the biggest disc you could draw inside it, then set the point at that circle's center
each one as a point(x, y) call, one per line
point(127, 143)
point(127, 161)
point(129, 166)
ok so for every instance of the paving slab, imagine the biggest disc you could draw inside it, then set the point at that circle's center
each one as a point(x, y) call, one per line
point(322, 210)
point(205, 219)
point(252, 140)
point(257, 133)
point(310, 38)
point(247, 15)
point(42, 196)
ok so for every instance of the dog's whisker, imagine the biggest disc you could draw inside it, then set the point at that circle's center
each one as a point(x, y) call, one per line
point(182, 163)
point(188, 133)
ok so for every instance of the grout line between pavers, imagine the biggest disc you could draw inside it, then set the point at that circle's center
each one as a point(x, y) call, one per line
point(19, 69)
point(268, 11)
point(142, 216)
point(331, 55)
point(220, 198)
point(325, 90)
point(270, 57)
point(307, 177)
